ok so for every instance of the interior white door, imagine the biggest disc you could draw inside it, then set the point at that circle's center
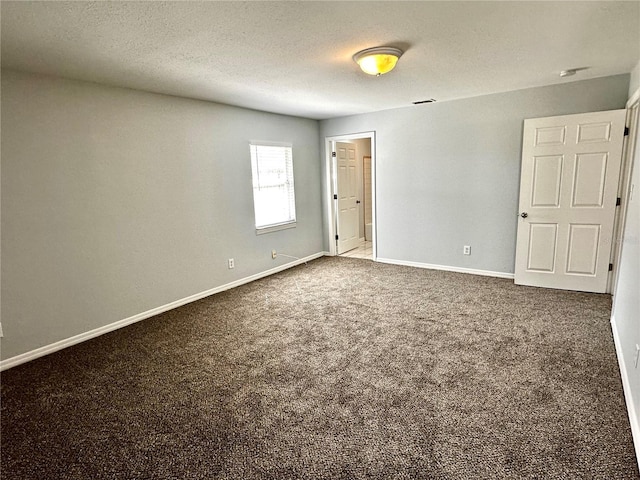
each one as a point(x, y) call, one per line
point(347, 192)
point(568, 191)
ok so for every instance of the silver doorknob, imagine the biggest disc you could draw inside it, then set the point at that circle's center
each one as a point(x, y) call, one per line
point(524, 214)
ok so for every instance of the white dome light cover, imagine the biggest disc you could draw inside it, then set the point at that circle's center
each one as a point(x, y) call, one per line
point(378, 60)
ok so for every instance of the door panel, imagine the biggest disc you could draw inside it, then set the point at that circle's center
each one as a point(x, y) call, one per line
point(550, 135)
point(545, 188)
point(347, 191)
point(583, 249)
point(589, 180)
point(542, 247)
point(568, 190)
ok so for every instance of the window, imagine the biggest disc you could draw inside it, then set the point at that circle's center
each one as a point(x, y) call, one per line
point(273, 194)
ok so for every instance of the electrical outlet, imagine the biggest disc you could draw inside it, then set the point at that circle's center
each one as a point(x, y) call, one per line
point(635, 361)
point(273, 254)
point(466, 250)
point(232, 263)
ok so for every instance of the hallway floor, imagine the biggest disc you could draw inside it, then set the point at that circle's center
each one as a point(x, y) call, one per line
point(364, 250)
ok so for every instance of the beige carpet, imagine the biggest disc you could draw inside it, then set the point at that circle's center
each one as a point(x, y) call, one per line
point(340, 369)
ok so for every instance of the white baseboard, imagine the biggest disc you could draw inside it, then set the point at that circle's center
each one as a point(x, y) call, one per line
point(54, 347)
point(472, 271)
point(634, 420)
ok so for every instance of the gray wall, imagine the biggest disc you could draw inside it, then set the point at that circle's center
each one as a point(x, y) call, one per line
point(626, 300)
point(117, 201)
point(626, 307)
point(634, 81)
point(447, 174)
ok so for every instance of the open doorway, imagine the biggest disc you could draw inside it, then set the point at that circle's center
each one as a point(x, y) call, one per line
point(350, 194)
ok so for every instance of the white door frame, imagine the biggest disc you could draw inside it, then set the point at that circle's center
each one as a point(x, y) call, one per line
point(330, 177)
point(628, 147)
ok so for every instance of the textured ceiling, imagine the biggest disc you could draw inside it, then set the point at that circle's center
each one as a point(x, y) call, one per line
point(295, 57)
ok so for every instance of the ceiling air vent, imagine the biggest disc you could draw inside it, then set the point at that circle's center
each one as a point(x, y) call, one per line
point(431, 100)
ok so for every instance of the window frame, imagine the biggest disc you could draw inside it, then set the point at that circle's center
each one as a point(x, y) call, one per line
point(273, 227)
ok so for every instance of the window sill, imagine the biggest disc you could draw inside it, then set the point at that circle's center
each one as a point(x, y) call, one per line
point(275, 228)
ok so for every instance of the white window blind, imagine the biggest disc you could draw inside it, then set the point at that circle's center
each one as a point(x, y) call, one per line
point(273, 193)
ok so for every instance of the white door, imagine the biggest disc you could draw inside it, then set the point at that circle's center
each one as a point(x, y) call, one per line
point(347, 193)
point(568, 192)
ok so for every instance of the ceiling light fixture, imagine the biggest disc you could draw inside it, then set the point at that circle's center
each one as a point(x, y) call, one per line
point(377, 60)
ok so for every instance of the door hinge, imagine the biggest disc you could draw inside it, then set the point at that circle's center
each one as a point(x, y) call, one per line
point(333, 154)
point(611, 267)
point(335, 196)
point(626, 131)
point(618, 201)
point(336, 237)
